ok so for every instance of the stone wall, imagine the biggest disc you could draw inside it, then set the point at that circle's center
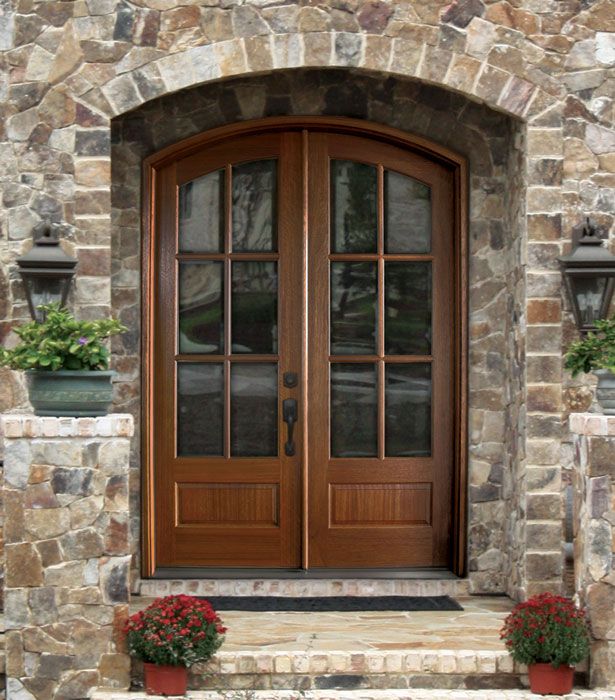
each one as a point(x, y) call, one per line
point(594, 536)
point(67, 554)
point(67, 69)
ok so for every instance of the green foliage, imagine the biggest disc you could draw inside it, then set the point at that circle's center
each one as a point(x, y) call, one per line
point(595, 351)
point(61, 342)
point(546, 629)
point(177, 630)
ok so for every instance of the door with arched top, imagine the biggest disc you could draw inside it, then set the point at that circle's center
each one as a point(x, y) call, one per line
point(303, 353)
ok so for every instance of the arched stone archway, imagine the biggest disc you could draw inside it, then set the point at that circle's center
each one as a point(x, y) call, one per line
point(493, 144)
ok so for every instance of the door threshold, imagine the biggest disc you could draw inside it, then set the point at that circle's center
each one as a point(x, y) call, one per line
point(433, 574)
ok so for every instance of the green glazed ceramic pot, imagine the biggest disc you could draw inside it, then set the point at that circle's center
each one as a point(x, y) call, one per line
point(70, 392)
point(605, 391)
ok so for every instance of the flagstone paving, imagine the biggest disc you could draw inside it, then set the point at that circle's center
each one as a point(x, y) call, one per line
point(476, 627)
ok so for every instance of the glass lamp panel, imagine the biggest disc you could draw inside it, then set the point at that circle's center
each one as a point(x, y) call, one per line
point(408, 410)
point(201, 214)
point(45, 290)
point(354, 222)
point(407, 214)
point(354, 288)
point(254, 410)
point(254, 307)
point(201, 307)
point(200, 409)
point(407, 308)
point(589, 294)
point(354, 410)
point(254, 206)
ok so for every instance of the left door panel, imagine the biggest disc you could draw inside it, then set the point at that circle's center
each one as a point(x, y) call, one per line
point(227, 308)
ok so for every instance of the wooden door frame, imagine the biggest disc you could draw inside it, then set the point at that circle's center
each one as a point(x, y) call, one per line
point(377, 132)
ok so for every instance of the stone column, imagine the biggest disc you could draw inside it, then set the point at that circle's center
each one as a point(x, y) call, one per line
point(594, 536)
point(67, 554)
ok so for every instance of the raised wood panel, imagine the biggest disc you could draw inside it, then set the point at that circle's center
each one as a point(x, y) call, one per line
point(227, 504)
point(380, 504)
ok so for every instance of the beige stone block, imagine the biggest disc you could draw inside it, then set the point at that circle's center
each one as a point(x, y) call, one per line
point(229, 57)
point(413, 662)
point(260, 55)
point(544, 339)
point(544, 535)
point(92, 173)
point(462, 73)
point(435, 64)
point(377, 54)
point(287, 51)
point(480, 37)
point(544, 506)
point(318, 49)
point(491, 83)
point(544, 199)
point(542, 452)
point(486, 661)
point(545, 142)
point(466, 661)
point(282, 663)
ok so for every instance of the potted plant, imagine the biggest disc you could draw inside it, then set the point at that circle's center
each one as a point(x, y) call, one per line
point(171, 634)
point(66, 363)
point(549, 634)
point(596, 353)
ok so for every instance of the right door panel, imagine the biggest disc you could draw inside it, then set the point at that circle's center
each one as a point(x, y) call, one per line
point(380, 356)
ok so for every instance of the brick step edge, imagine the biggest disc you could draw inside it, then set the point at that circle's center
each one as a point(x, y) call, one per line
point(297, 588)
point(464, 661)
point(418, 694)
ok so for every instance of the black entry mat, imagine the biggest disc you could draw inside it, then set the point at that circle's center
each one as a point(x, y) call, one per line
point(334, 603)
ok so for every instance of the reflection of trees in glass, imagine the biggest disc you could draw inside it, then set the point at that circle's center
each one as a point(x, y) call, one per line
point(201, 217)
point(407, 216)
point(254, 307)
point(408, 308)
point(353, 205)
point(254, 206)
point(354, 410)
point(408, 410)
point(353, 307)
point(199, 409)
point(200, 307)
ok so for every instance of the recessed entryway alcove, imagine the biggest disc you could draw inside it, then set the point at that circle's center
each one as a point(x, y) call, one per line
point(491, 142)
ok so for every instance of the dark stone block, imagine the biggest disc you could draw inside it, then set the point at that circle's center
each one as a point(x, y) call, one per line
point(96, 142)
point(341, 680)
point(75, 481)
point(461, 12)
point(124, 23)
point(53, 665)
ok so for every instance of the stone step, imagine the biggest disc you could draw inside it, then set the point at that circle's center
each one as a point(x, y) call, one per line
point(388, 694)
point(304, 587)
point(335, 669)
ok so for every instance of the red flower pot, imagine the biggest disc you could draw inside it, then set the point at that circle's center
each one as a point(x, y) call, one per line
point(165, 680)
point(546, 680)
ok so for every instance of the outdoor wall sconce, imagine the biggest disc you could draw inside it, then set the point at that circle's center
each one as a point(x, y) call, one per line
point(589, 274)
point(46, 269)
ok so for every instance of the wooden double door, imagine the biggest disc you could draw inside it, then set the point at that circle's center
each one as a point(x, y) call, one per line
point(303, 370)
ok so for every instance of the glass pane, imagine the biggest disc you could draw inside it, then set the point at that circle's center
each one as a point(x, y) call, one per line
point(254, 410)
point(408, 410)
point(407, 214)
point(589, 292)
point(200, 409)
point(407, 308)
point(354, 410)
point(353, 308)
point(254, 307)
point(201, 214)
point(353, 207)
point(254, 205)
point(200, 307)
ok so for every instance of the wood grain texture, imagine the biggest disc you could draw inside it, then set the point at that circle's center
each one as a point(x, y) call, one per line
point(303, 536)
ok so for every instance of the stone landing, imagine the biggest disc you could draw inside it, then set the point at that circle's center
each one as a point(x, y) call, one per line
point(367, 651)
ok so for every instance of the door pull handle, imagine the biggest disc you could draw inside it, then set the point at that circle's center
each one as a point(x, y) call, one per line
point(289, 414)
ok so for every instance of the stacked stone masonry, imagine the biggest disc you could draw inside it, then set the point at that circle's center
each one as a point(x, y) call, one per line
point(594, 533)
point(73, 73)
point(67, 554)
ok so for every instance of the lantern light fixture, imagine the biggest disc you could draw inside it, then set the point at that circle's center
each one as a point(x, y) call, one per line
point(589, 275)
point(46, 269)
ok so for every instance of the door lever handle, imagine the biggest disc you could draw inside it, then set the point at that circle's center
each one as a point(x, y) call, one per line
point(289, 414)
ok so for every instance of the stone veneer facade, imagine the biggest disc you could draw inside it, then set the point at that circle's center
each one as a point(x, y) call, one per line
point(594, 533)
point(523, 87)
point(67, 555)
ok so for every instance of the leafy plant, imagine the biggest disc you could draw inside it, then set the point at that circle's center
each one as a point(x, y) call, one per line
point(177, 630)
point(595, 351)
point(546, 629)
point(61, 342)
